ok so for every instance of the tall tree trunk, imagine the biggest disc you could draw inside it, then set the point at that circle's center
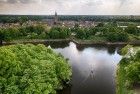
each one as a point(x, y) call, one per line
point(0, 42)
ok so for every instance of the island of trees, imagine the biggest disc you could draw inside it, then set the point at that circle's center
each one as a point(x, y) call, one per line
point(30, 69)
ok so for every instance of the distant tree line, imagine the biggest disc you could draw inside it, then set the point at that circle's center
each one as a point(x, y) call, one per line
point(23, 18)
point(15, 18)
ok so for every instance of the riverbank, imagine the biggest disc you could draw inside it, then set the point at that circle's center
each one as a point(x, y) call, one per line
point(127, 77)
point(77, 41)
point(121, 82)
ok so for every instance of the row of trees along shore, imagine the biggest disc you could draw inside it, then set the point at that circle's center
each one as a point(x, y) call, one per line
point(109, 32)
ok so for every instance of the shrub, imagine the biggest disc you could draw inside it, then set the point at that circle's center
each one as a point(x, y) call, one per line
point(132, 29)
point(133, 72)
point(117, 36)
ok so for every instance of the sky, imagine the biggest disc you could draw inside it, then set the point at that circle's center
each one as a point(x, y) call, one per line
point(70, 7)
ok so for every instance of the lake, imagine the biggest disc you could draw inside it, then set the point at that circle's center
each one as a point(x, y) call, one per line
point(93, 67)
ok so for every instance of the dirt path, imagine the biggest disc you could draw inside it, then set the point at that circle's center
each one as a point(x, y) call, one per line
point(137, 90)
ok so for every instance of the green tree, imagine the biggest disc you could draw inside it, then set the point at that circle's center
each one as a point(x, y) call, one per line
point(80, 33)
point(1, 36)
point(132, 29)
point(54, 34)
point(30, 69)
point(100, 24)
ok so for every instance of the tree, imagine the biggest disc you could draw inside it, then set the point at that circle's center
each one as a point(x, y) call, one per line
point(80, 33)
point(132, 29)
point(30, 69)
point(100, 24)
point(39, 29)
point(54, 34)
point(117, 36)
point(10, 33)
point(1, 36)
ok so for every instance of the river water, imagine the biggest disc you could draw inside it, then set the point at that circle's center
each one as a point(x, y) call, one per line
point(93, 68)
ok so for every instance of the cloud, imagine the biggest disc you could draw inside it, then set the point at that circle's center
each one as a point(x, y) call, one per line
point(18, 1)
point(74, 7)
point(94, 3)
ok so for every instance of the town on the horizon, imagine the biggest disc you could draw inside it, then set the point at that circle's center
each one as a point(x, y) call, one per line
point(67, 20)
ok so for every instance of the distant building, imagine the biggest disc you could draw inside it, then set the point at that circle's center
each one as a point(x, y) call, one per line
point(55, 18)
point(67, 23)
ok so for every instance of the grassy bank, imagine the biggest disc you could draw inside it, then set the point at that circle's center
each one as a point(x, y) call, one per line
point(77, 41)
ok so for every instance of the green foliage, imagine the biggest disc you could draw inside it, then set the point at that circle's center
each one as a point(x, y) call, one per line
point(133, 72)
point(59, 33)
point(86, 33)
point(10, 33)
point(91, 31)
point(117, 36)
point(126, 49)
point(132, 29)
point(128, 73)
point(81, 33)
point(100, 24)
point(133, 69)
point(36, 29)
point(108, 32)
point(30, 69)
point(54, 34)
point(1, 35)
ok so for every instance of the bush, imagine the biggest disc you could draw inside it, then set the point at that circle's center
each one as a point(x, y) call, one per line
point(11, 33)
point(30, 69)
point(132, 61)
point(54, 34)
point(117, 36)
point(128, 72)
point(133, 72)
point(81, 33)
point(1, 36)
point(132, 29)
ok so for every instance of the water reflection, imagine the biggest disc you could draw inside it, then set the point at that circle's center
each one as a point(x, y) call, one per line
point(93, 69)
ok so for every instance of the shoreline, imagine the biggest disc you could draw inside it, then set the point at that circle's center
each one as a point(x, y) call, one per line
point(76, 41)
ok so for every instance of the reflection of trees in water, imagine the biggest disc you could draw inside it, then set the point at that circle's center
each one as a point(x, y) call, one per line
point(90, 74)
point(82, 47)
point(111, 50)
point(61, 44)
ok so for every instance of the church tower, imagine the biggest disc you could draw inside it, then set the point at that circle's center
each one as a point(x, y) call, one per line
point(55, 18)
